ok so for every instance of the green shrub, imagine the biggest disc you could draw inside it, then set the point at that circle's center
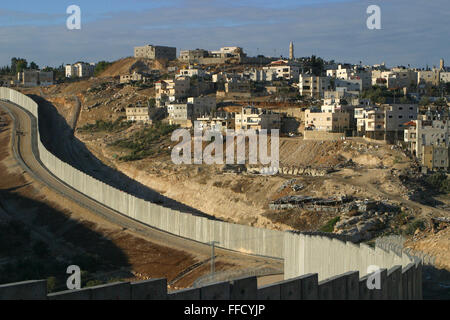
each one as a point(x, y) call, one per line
point(329, 226)
point(142, 143)
point(108, 126)
point(414, 225)
point(439, 181)
point(93, 283)
point(51, 284)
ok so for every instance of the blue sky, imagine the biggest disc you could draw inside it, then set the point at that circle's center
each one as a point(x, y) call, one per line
point(414, 32)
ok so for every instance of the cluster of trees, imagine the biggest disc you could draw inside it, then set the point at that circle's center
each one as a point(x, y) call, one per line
point(101, 66)
point(18, 65)
point(315, 64)
point(378, 94)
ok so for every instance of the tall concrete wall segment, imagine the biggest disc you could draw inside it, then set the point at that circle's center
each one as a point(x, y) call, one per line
point(343, 287)
point(302, 253)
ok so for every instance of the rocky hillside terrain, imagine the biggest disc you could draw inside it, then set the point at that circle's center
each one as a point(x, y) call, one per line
point(354, 187)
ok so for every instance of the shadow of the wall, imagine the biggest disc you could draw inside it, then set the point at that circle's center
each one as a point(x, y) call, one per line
point(58, 137)
point(436, 283)
point(38, 241)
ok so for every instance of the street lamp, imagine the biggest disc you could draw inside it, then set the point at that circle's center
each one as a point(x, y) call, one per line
point(213, 243)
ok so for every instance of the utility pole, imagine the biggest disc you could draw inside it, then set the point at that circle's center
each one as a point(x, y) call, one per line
point(213, 243)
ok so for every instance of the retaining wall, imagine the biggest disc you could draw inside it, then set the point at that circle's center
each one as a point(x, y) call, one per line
point(322, 135)
point(301, 253)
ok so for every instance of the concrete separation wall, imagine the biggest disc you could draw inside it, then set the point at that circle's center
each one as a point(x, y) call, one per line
point(302, 253)
point(395, 284)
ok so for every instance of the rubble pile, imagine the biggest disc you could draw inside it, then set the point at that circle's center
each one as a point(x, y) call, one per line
point(440, 223)
point(305, 171)
point(362, 220)
point(291, 183)
point(307, 202)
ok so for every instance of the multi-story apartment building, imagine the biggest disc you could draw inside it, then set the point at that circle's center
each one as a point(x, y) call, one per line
point(404, 77)
point(203, 104)
point(216, 123)
point(193, 56)
point(80, 70)
point(138, 114)
point(181, 114)
point(420, 133)
point(222, 55)
point(327, 121)
point(314, 86)
point(191, 71)
point(284, 70)
point(436, 157)
point(386, 122)
point(155, 52)
point(353, 85)
point(257, 119)
point(430, 77)
point(396, 78)
point(171, 90)
point(349, 73)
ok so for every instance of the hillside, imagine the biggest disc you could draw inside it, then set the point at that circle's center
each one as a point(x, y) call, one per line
point(130, 64)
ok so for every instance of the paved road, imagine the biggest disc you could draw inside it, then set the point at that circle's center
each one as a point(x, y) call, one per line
point(25, 148)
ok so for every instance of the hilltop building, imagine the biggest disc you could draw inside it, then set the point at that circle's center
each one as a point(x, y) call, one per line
point(155, 52)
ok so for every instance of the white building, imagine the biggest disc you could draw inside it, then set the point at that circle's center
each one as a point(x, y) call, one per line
point(355, 73)
point(191, 71)
point(349, 85)
point(138, 114)
point(282, 69)
point(444, 77)
point(171, 90)
point(313, 86)
point(266, 75)
point(427, 133)
point(80, 70)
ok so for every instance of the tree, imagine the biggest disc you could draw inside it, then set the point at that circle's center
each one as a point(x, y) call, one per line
point(101, 66)
point(151, 102)
point(404, 100)
point(424, 101)
point(34, 66)
point(18, 65)
point(441, 102)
